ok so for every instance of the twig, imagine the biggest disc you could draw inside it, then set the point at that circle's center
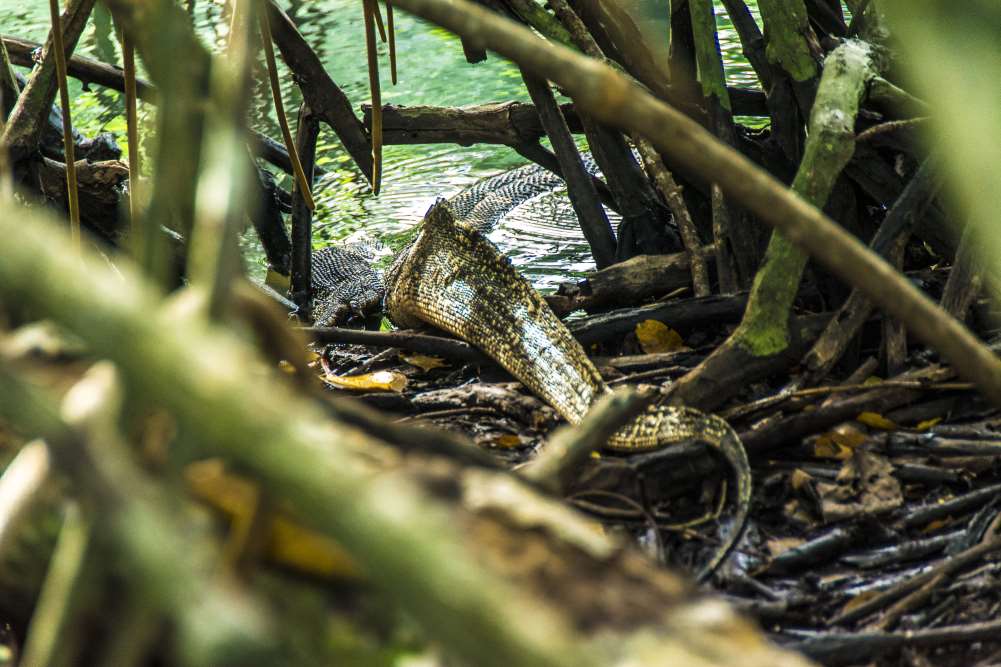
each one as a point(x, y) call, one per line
point(20, 485)
point(390, 26)
point(369, 8)
point(671, 192)
point(302, 215)
point(772, 401)
point(945, 567)
point(451, 412)
point(569, 446)
point(68, 146)
point(407, 340)
point(889, 126)
point(132, 132)
point(60, 592)
point(276, 93)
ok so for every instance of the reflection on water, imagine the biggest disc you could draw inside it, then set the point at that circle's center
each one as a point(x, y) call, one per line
point(541, 236)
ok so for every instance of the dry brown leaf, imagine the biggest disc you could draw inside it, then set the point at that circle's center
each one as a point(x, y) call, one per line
point(656, 337)
point(377, 381)
point(865, 486)
point(423, 361)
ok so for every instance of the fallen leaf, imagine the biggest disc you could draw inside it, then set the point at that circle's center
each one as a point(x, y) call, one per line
point(423, 361)
point(506, 441)
point(295, 546)
point(377, 381)
point(287, 542)
point(838, 443)
point(927, 424)
point(277, 281)
point(799, 479)
point(865, 486)
point(655, 337)
point(876, 420)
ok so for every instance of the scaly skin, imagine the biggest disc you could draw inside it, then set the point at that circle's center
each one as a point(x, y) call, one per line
point(451, 276)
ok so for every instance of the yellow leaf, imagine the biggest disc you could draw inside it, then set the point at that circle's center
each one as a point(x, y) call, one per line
point(799, 479)
point(378, 381)
point(286, 367)
point(826, 448)
point(876, 420)
point(423, 361)
point(295, 546)
point(927, 424)
point(657, 337)
point(934, 525)
point(838, 443)
point(287, 542)
point(277, 281)
point(506, 441)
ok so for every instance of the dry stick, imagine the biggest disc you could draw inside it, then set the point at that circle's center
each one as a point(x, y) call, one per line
point(910, 205)
point(276, 93)
point(20, 485)
point(68, 146)
point(556, 465)
point(946, 566)
point(60, 593)
point(966, 278)
point(391, 27)
point(8, 89)
point(612, 98)
point(129, 61)
point(583, 195)
point(736, 255)
point(369, 8)
point(302, 217)
point(407, 340)
point(671, 192)
point(378, 21)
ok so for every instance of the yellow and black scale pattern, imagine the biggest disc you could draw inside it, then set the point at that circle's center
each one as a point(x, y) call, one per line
point(454, 278)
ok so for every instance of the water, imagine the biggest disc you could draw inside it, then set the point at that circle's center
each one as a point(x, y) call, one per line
point(541, 236)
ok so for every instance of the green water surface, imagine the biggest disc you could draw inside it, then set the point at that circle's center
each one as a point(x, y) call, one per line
point(541, 237)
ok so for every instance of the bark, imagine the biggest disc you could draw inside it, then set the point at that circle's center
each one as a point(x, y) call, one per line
point(302, 215)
